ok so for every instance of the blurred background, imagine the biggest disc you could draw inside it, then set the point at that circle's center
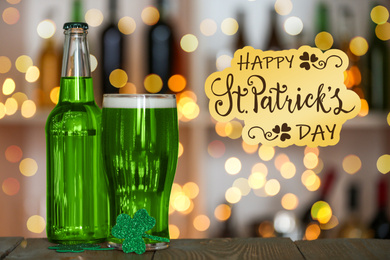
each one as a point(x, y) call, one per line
point(223, 186)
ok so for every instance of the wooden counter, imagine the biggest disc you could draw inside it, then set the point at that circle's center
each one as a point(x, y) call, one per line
point(219, 248)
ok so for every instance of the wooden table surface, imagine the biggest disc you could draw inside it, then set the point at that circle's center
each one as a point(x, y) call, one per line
point(219, 248)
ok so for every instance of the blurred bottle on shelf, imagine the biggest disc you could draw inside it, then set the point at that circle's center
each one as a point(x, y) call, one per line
point(322, 19)
point(112, 41)
point(240, 35)
point(160, 47)
point(346, 33)
point(322, 23)
point(228, 229)
point(77, 11)
point(306, 220)
point(380, 225)
point(377, 89)
point(353, 227)
point(49, 63)
point(274, 42)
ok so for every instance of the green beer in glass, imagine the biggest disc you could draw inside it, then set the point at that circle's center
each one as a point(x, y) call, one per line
point(140, 148)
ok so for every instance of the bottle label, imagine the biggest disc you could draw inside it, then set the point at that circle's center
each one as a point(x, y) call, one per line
point(286, 97)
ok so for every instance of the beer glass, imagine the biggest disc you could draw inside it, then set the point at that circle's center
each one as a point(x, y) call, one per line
point(140, 149)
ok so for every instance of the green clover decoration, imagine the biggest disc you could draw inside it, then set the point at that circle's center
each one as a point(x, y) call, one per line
point(132, 230)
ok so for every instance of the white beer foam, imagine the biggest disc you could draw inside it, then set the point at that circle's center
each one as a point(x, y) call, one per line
point(139, 101)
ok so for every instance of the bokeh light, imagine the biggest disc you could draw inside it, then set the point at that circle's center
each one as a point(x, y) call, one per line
point(127, 25)
point(208, 27)
point(150, 15)
point(5, 64)
point(283, 7)
point(8, 86)
point(324, 40)
point(321, 211)
point(54, 94)
point(290, 201)
point(233, 195)
point(312, 231)
point(201, 223)
point(28, 109)
point(23, 62)
point(233, 165)
point(93, 61)
point(223, 62)
point(382, 31)
point(266, 229)
point(233, 129)
point(249, 148)
point(36, 224)
point(220, 129)
point(216, 149)
point(13, 2)
point(314, 150)
point(352, 164)
point(243, 185)
point(266, 153)
point(10, 186)
point(181, 149)
point(293, 25)
point(383, 163)
point(46, 29)
point(20, 97)
point(11, 15)
point(11, 106)
point(272, 187)
point(118, 78)
point(284, 222)
point(358, 46)
point(288, 170)
point(332, 223)
point(260, 167)
point(191, 190)
point(28, 167)
point(153, 83)
point(189, 43)
point(379, 14)
point(181, 202)
point(32, 74)
point(280, 159)
point(2, 110)
point(257, 180)
point(310, 180)
point(174, 231)
point(229, 26)
point(190, 110)
point(129, 88)
point(364, 109)
point(222, 212)
point(177, 83)
point(310, 160)
point(94, 17)
point(13, 153)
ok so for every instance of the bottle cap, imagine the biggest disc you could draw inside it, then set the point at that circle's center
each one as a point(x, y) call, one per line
point(75, 25)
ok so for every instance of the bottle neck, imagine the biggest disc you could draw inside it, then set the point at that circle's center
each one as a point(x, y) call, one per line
point(382, 194)
point(76, 61)
point(112, 8)
point(77, 11)
point(76, 82)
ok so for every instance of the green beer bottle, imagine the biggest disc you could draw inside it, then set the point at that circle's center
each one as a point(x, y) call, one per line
point(77, 197)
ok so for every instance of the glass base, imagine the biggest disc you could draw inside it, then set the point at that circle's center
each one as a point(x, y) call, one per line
point(149, 247)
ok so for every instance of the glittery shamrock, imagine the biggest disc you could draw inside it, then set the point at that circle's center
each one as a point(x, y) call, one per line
point(77, 248)
point(132, 230)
